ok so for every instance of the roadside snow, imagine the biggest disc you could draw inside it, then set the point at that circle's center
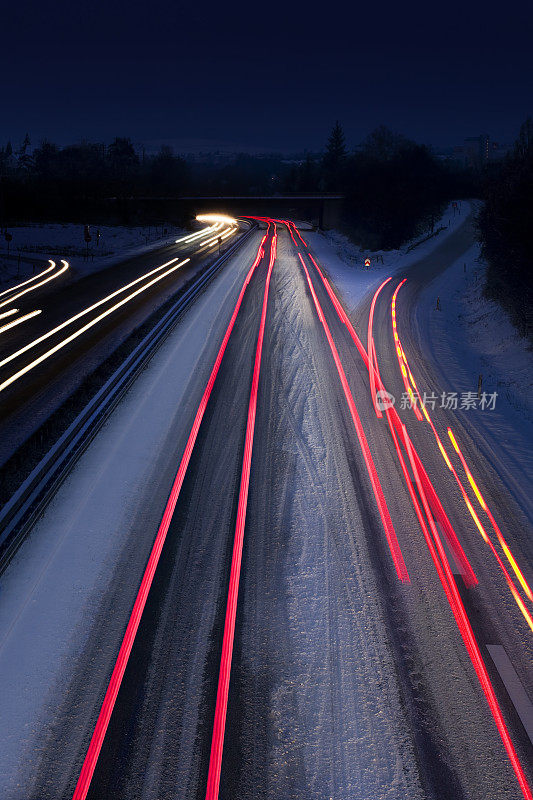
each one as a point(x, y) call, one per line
point(487, 339)
point(345, 261)
point(473, 336)
point(37, 242)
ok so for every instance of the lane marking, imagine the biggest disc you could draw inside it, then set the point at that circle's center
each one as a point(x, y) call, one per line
point(97, 739)
point(219, 724)
point(514, 686)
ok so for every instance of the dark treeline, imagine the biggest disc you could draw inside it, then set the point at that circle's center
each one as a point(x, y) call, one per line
point(394, 188)
point(505, 225)
point(82, 181)
point(68, 183)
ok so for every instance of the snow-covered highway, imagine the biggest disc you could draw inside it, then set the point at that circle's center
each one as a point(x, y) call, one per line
point(353, 670)
point(82, 319)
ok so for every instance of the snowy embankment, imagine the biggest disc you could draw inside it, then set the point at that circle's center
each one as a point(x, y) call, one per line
point(484, 339)
point(38, 242)
point(345, 261)
point(471, 337)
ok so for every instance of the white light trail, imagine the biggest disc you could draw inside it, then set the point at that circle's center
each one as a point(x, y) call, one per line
point(86, 327)
point(19, 320)
point(216, 218)
point(30, 280)
point(9, 313)
point(36, 286)
point(85, 311)
point(219, 223)
point(192, 236)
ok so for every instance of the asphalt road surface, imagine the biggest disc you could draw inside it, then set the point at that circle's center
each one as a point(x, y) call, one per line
point(26, 403)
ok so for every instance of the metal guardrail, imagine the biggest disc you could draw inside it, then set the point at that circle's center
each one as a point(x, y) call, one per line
point(28, 502)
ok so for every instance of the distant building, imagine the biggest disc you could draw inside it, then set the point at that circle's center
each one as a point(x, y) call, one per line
point(477, 151)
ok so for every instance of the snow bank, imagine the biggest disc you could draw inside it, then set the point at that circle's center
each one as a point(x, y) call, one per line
point(345, 261)
point(37, 242)
point(473, 336)
point(488, 341)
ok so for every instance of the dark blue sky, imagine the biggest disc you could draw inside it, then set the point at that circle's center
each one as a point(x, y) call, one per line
point(255, 76)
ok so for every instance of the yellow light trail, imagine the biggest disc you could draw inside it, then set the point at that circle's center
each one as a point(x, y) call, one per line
point(525, 613)
point(503, 544)
point(468, 473)
point(402, 361)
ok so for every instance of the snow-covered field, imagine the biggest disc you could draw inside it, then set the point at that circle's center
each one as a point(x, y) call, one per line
point(345, 261)
point(37, 242)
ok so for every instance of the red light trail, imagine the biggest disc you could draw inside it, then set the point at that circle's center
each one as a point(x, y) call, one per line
point(514, 591)
point(431, 505)
point(399, 564)
point(97, 739)
point(217, 742)
point(371, 349)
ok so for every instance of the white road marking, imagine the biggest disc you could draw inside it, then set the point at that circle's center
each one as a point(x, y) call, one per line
point(513, 684)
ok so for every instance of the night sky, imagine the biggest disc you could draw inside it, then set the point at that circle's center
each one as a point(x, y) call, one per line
point(263, 77)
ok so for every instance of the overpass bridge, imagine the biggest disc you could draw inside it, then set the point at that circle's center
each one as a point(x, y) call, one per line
point(322, 208)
